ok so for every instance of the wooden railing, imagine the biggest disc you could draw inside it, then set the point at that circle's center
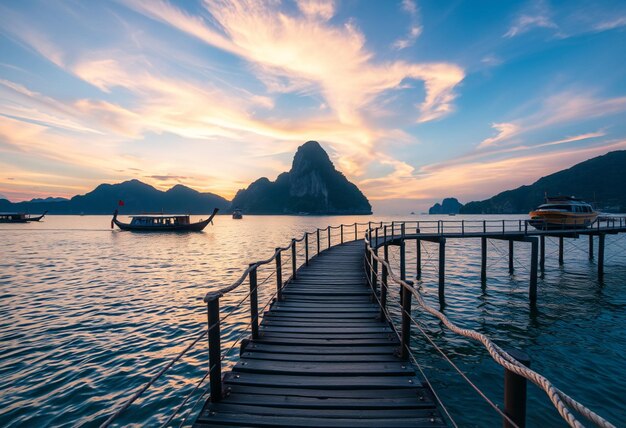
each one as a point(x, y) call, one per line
point(473, 227)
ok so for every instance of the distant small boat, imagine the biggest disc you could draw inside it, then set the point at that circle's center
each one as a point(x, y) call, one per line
point(563, 212)
point(19, 217)
point(451, 213)
point(162, 223)
point(237, 214)
point(412, 212)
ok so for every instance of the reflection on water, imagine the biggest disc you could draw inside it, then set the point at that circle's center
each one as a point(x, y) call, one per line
point(88, 314)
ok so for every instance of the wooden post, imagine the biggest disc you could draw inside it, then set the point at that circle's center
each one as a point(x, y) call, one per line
point(328, 236)
point(293, 259)
point(356, 232)
point(533, 270)
point(515, 393)
point(542, 261)
point(254, 303)
point(406, 324)
point(601, 237)
point(279, 276)
point(318, 240)
point(383, 288)
point(341, 228)
point(385, 234)
point(483, 258)
point(511, 267)
point(560, 250)
point(376, 233)
point(591, 246)
point(442, 271)
point(419, 257)
point(215, 347)
point(306, 248)
point(374, 272)
point(402, 265)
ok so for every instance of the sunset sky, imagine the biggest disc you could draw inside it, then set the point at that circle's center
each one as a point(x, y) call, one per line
point(413, 100)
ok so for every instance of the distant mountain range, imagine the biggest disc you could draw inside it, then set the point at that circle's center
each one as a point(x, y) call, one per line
point(312, 186)
point(447, 206)
point(136, 196)
point(600, 181)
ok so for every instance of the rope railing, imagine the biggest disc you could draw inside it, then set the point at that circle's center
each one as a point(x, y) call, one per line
point(562, 402)
point(310, 248)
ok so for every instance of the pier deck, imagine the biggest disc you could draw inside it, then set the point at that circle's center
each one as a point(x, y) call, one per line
point(324, 358)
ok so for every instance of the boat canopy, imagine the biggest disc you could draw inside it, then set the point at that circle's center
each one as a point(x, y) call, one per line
point(158, 215)
point(577, 207)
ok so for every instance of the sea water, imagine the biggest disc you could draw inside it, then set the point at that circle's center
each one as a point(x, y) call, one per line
point(89, 314)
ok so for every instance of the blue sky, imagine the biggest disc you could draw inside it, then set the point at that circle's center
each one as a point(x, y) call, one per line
point(414, 100)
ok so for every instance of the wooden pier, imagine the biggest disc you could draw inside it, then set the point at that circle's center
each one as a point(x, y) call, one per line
point(511, 231)
point(334, 348)
point(324, 357)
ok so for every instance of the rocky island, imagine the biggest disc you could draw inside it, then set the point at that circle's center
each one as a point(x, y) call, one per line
point(312, 186)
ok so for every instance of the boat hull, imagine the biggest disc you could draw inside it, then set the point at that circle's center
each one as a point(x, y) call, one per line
point(193, 227)
point(543, 220)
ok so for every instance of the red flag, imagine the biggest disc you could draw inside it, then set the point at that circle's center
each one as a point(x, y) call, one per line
point(120, 203)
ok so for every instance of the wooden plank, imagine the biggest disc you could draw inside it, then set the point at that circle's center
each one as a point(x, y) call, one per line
point(326, 341)
point(247, 409)
point(271, 356)
point(322, 394)
point(230, 419)
point(375, 328)
point(336, 369)
point(290, 401)
point(321, 349)
point(317, 382)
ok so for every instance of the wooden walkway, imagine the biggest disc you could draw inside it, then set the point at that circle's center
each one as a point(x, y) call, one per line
point(324, 358)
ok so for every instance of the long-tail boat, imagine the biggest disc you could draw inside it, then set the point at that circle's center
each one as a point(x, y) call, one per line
point(19, 217)
point(162, 223)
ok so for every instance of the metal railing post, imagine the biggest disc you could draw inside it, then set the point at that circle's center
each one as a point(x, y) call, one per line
point(515, 392)
point(293, 258)
point(341, 228)
point(215, 346)
point(254, 303)
point(356, 228)
point(279, 275)
point(462, 227)
point(306, 248)
point(484, 226)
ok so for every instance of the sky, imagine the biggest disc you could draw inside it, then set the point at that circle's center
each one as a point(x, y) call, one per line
point(414, 100)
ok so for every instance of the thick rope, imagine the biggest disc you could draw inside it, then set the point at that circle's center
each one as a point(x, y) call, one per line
point(560, 400)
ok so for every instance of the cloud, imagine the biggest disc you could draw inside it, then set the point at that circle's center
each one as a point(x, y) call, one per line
point(611, 24)
point(562, 108)
point(299, 51)
point(322, 9)
point(537, 15)
point(505, 131)
point(525, 23)
point(415, 29)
